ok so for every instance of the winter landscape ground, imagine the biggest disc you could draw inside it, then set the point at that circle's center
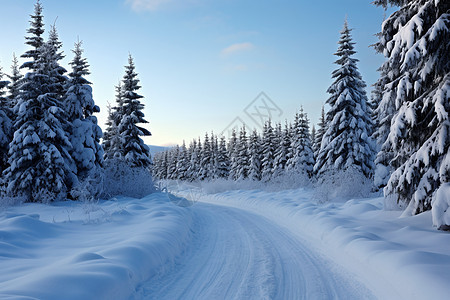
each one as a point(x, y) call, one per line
point(355, 208)
point(240, 244)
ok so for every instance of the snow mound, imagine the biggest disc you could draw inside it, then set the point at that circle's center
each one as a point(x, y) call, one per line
point(104, 250)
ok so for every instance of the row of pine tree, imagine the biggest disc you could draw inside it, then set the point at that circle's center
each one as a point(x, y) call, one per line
point(342, 140)
point(49, 137)
point(252, 156)
point(400, 138)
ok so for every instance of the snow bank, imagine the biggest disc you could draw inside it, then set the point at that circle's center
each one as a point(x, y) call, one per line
point(103, 250)
point(397, 258)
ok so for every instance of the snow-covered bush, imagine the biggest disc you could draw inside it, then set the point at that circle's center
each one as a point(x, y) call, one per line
point(342, 184)
point(123, 179)
point(91, 187)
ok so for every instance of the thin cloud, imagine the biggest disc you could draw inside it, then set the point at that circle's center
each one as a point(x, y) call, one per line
point(236, 48)
point(150, 5)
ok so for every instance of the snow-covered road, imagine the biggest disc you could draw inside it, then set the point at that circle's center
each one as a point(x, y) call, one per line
point(236, 254)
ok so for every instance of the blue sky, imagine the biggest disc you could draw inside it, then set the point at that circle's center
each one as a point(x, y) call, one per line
point(202, 62)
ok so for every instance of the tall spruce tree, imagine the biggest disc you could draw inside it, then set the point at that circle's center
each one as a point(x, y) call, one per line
point(302, 160)
point(233, 153)
point(35, 40)
point(80, 107)
point(205, 159)
point(346, 142)
point(254, 172)
point(242, 155)
point(112, 142)
point(5, 123)
point(280, 155)
point(135, 151)
point(14, 87)
point(416, 83)
point(321, 129)
point(194, 165)
point(223, 160)
point(182, 162)
point(268, 152)
point(40, 165)
point(214, 153)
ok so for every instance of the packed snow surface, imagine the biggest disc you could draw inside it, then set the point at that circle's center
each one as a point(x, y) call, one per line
point(229, 245)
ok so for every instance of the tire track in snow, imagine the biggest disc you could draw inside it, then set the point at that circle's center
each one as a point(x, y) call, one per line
point(239, 255)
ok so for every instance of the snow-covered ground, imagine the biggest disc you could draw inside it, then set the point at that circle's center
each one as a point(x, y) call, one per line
point(394, 257)
point(71, 250)
point(230, 245)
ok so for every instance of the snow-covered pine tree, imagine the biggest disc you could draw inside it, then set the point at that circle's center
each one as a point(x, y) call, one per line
point(194, 164)
point(322, 128)
point(156, 170)
point(383, 102)
point(233, 155)
point(287, 136)
point(214, 152)
point(59, 77)
point(182, 162)
point(243, 160)
point(302, 160)
point(40, 166)
point(416, 42)
point(14, 87)
point(313, 137)
point(160, 165)
point(281, 148)
point(254, 172)
point(112, 141)
point(84, 132)
point(223, 161)
point(205, 159)
point(135, 152)
point(172, 171)
point(35, 39)
point(346, 143)
point(5, 123)
point(268, 152)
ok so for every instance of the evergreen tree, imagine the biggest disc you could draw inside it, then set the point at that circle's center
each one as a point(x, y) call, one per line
point(14, 87)
point(268, 152)
point(281, 148)
point(242, 155)
point(302, 160)
point(322, 128)
point(233, 153)
point(112, 142)
point(59, 78)
point(135, 151)
point(346, 143)
point(35, 39)
point(383, 101)
point(416, 42)
point(223, 161)
point(254, 172)
point(84, 132)
point(205, 159)
point(182, 162)
point(194, 165)
point(214, 153)
point(40, 166)
point(5, 123)
point(172, 171)
point(313, 137)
